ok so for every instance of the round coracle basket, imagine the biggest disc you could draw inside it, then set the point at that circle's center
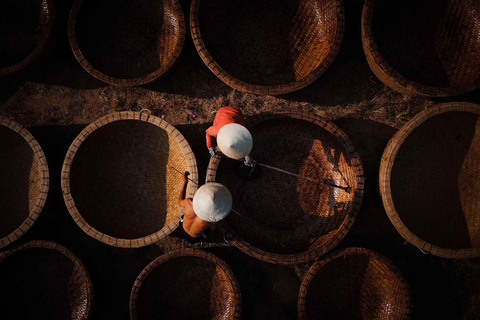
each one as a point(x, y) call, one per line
point(44, 280)
point(266, 47)
point(287, 219)
point(127, 43)
point(119, 180)
point(426, 47)
point(430, 180)
point(25, 28)
point(186, 284)
point(354, 283)
point(24, 180)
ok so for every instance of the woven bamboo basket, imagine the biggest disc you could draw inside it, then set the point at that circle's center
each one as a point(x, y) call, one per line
point(24, 180)
point(430, 180)
point(354, 283)
point(127, 43)
point(44, 280)
point(427, 47)
point(281, 218)
point(186, 284)
point(118, 182)
point(25, 28)
point(267, 47)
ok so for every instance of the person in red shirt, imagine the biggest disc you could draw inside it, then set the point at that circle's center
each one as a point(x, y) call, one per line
point(224, 116)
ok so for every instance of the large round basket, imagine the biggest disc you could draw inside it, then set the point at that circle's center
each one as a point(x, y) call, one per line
point(119, 180)
point(24, 180)
point(126, 43)
point(186, 284)
point(430, 180)
point(354, 283)
point(427, 47)
point(267, 47)
point(44, 280)
point(25, 28)
point(287, 219)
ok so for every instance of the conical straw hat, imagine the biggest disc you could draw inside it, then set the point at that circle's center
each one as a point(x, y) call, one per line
point(234, 140)
point(212, 202)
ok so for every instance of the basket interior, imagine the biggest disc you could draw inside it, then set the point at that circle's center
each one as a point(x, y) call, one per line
point(22, 23)
point(430, 42)
point(268, 42)
point(435, 180)
point(186, 288)
point(42, 282)
point(121, 180)
point(128, 39)
point(20, 182)
point(282, 213)
point(356, 287)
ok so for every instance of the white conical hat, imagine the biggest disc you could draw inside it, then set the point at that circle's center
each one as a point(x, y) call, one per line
point(212, 202)
point(234, 140)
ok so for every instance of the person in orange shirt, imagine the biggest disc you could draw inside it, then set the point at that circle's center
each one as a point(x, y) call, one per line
point(232, 136)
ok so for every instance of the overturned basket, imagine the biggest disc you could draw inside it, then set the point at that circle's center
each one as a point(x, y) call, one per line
point(126, 43)
point(24, 183)
point(44, 280)
point(186, 284)
point(445, 60)
point(266, 47)
point(25, 28)
point(118, 180)
point(354, 283)
point(430, 180)
point(285, 219)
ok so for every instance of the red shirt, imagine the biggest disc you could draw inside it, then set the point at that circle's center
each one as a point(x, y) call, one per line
point(225, 115)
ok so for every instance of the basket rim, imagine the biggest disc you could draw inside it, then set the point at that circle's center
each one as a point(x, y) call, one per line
point(310, 274)
point(382, 69)
point(41, 45)
point(67, 164)
point(186, 252)
point(354, 208)
point(240, 85)
point(159, 73)
point(79, 266)
point(45, 180)
point(386, 166)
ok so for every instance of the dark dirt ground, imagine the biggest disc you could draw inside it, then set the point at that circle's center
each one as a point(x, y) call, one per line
point(58, 99)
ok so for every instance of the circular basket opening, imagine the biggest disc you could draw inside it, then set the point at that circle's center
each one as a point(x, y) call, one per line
point(430, 180)
point(24, 182)
point(118, 180)
point(25, 26)
point(186, 284)
point(267, 47)
point(283, 218)
point(127, 42)
point(46, 280)
point(354, 284)
point(444, 33)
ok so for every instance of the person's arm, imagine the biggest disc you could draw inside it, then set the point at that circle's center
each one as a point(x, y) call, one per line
point(210, 138)
point(183, 192)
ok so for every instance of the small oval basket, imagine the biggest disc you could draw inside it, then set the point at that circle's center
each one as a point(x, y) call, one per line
point(186, 284)
point(119, 180)
point(287, 219)
point(25, 28)
point(354, 283)
point(24, 180)
point(267, 47)
point(44, 279)
point(444, 33)
point(126, 43)
point(430, 180)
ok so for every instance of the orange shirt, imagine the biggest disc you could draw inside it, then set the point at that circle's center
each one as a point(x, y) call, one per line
point(225, 115)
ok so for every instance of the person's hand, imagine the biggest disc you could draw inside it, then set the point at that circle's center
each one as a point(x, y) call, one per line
point(185, 175)
point(249, 161)
point(212, 151)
